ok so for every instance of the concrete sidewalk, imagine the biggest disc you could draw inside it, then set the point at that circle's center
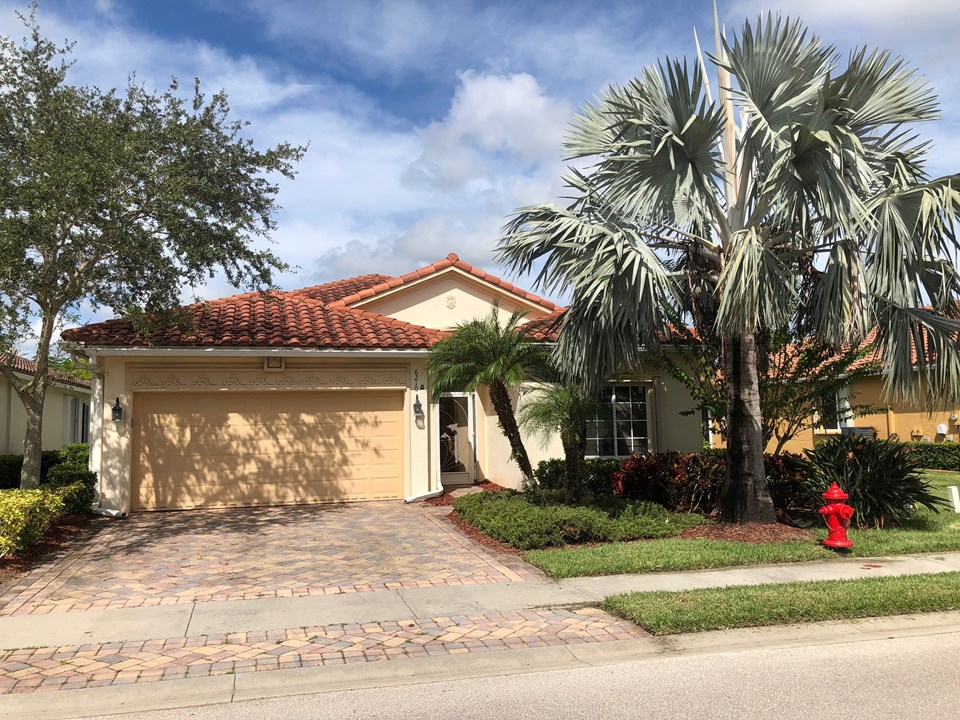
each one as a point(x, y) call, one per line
point(241, 616)
point(226, 689)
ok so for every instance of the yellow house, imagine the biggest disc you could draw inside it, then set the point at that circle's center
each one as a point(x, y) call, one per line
point(899, 420)
point(319, 395)
point(66, 412)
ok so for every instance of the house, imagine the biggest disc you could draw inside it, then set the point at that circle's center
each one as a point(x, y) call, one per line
point(894, 419)
point(66, 412)
point(319, 395)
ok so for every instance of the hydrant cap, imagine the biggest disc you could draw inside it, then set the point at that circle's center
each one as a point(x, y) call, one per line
point(835, 493)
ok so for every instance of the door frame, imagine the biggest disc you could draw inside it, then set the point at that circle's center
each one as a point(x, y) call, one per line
point(471, 398)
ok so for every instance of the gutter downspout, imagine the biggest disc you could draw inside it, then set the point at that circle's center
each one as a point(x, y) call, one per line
point(425, 496)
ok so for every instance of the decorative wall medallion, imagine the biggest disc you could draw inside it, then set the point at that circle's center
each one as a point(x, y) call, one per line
point(451, 301)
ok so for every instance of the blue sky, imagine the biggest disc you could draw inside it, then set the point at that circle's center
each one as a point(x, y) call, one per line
point(429, 122)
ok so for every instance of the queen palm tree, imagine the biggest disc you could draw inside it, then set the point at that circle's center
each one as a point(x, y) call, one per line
point(791, 194)
point(493, 353)
point(564, 409)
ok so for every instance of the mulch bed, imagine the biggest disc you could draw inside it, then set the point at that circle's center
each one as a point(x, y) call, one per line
point(65, 530)
point(448, 499)
point(477, 536)
point(751, 533)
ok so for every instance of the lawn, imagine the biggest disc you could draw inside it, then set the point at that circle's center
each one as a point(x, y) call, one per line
point(665, 613)
point(928, 532)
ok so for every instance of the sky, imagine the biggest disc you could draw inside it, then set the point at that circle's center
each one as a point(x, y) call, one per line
point(429, 122)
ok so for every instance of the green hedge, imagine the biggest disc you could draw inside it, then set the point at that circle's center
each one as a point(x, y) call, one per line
point(596, 479)
point(25, 515)
point(521, 522)
point(935, 456)
point(78, 453)
point(79, 485)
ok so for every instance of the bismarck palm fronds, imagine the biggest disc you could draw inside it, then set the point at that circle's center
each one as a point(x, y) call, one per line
point(796, 197)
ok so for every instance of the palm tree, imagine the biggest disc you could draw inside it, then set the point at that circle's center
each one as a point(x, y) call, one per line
point(495, 354)
point(565, 409)
point(795, 198)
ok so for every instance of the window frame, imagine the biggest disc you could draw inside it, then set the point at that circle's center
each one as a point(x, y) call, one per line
point(609, 397)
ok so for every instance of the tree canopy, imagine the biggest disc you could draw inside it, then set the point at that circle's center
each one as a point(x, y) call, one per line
point(118, 199)
point(791, 193)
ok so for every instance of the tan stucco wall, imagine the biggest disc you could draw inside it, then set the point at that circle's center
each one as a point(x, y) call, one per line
point(494, 457)
point(124, 376)
point(426, 302)
point(669, 429)
point(13, 418)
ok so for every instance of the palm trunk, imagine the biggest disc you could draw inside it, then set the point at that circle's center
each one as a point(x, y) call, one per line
point(502, 405)
point(746, 496)
point(573, 452)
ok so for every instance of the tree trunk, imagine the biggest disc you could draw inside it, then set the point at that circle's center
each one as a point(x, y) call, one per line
point(33, 396)
point(32, 443)
point(502, 405)
point(573, 465)
point(746, 496)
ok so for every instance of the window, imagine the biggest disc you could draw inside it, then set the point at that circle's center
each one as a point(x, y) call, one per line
point(78, 420)
point(621, 427)
point(833, 412)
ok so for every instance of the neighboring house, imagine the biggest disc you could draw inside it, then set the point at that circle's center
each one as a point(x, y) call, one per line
point(894, 419)
point(319, 395)
point(66, 412)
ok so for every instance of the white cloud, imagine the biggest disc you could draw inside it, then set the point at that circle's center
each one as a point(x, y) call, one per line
point(492, 119)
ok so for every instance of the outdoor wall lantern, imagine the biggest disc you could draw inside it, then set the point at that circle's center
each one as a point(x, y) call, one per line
point(117, 411)
point(418, 413)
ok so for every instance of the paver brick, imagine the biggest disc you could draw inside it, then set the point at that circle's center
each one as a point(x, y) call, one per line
point(155, 661)
point(166, 558)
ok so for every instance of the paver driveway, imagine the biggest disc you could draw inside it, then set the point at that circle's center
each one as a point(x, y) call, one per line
point(206, 555)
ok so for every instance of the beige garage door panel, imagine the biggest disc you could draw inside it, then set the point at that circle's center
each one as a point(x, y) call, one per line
point(226, 449)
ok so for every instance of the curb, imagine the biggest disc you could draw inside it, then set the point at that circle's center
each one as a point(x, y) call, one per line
point(213, 690)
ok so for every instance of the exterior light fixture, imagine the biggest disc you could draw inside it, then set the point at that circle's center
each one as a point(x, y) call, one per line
point(117, 412)
point(418, 413)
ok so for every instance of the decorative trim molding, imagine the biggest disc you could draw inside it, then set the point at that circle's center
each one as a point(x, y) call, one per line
point(257, 379)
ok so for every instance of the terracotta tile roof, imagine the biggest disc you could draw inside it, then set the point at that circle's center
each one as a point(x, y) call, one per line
point(547, 328)
point(29, 367)
point(267, 320)
point(339, 289)
point(451, 260)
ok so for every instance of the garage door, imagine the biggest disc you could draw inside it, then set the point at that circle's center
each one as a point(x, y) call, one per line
point(266, 448)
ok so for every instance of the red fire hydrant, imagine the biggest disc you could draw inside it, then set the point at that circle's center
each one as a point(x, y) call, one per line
point(837, 515)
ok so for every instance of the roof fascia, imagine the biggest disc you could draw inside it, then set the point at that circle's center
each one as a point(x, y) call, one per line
point(96, 351)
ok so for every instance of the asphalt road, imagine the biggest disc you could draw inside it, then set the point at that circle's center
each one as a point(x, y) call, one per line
point(903, 678)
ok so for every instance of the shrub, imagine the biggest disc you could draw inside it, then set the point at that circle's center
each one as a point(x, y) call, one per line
point(881, 477)
point(10, 471)
point(24, 516)
point(597, 475)
point(67, 477)
point(787, 478)
point(935, 456)
point(10, 465)
point(75, 454)
point(77, 497)
point(692, 483)
point(526, 523)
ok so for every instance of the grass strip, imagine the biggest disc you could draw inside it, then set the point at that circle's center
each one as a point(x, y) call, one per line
point(668, 554)
point(666, 613)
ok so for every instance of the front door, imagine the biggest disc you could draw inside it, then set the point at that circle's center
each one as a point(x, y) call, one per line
point(457, 440)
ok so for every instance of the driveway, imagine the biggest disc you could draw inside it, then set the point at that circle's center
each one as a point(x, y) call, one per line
point(208, 555)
